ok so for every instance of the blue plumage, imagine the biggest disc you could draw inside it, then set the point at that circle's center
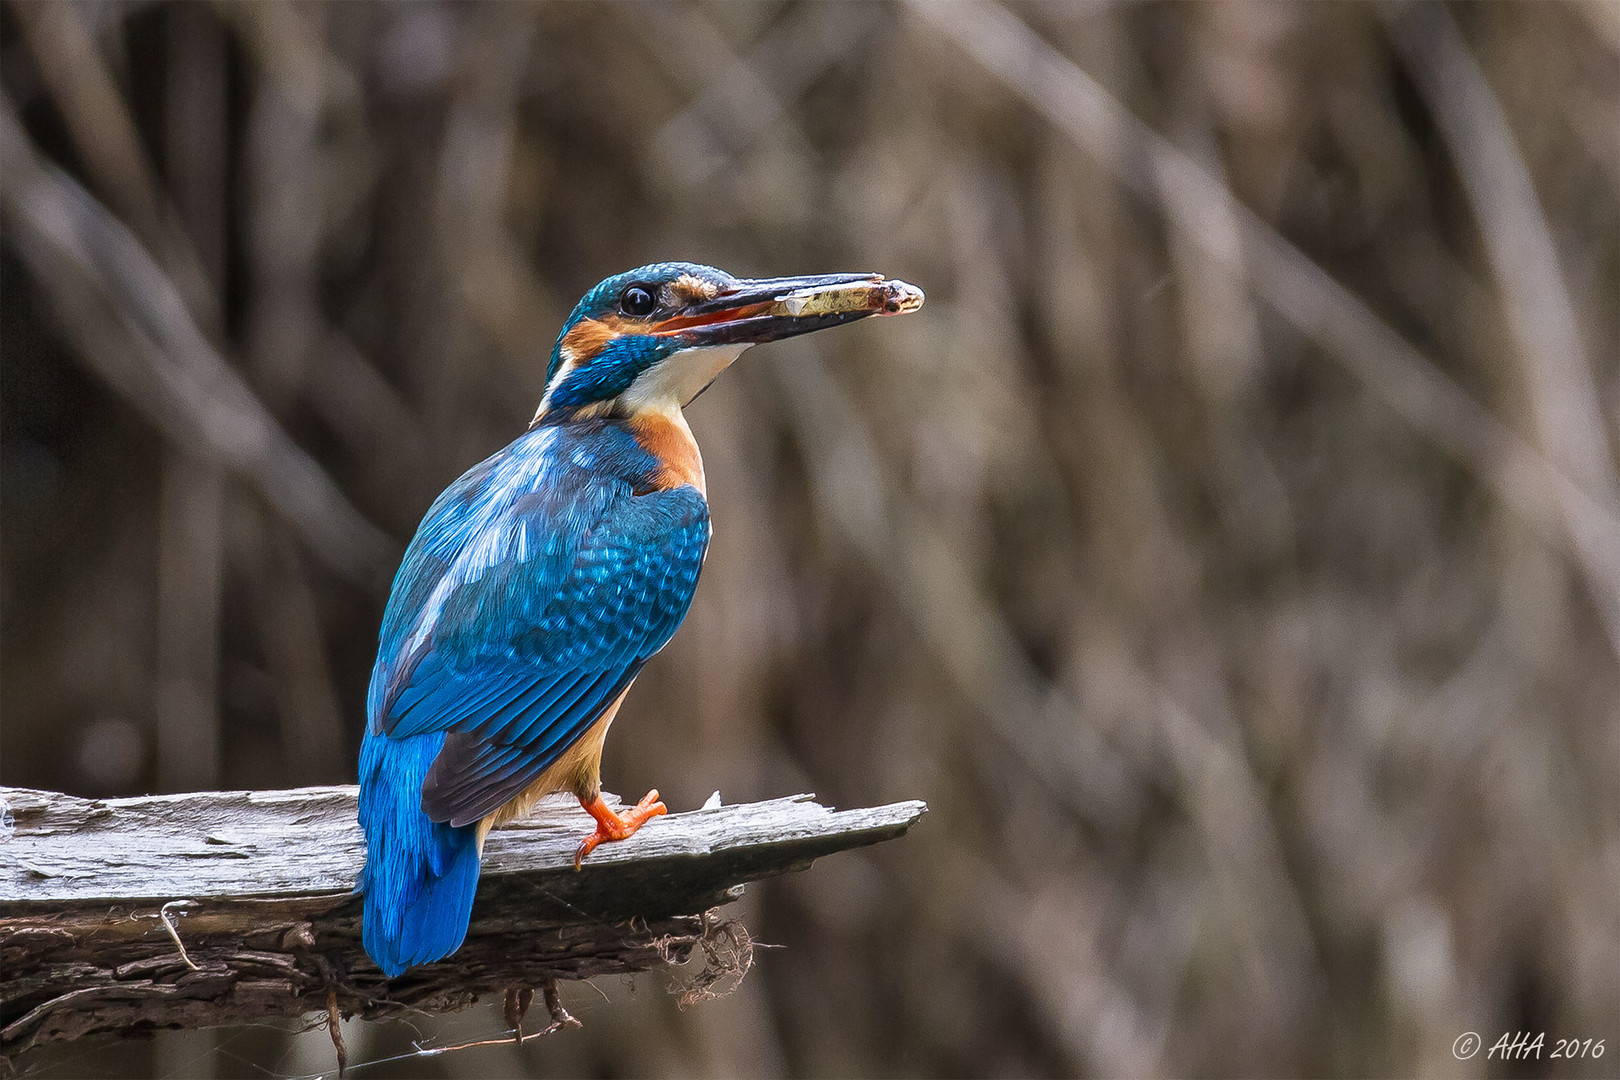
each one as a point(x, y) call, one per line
point(536, 587)
point(420, 875)
point(543, 579)
point(611, 371)
point(604, 297)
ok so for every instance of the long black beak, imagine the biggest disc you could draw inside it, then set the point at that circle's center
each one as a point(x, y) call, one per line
point(768, 309)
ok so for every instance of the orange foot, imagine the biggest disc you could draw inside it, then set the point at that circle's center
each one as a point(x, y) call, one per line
point(610, 826)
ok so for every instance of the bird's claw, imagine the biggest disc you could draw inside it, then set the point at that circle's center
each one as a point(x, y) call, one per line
point(612, 826)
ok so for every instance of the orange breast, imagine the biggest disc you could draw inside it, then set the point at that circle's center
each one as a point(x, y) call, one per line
point(670, 441)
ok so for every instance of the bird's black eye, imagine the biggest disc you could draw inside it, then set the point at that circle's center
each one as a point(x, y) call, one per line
point(637, 300)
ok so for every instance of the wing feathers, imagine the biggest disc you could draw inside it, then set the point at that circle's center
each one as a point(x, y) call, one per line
point(473, 777)
point(532, 595)
point(439, 701)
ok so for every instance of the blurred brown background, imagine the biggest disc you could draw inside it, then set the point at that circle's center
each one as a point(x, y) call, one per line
point(1239, 582)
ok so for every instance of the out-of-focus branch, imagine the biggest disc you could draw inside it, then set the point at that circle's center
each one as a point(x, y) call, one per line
point(192, 551)
point(130, 325)
point(491, 273)
point(739, 102)
point(971, 640)
point(285, 607)
point(936, 586)
point(1090, 774)
point(190, 579)
point(1562, 510)
point(1563, 394)
point(104, 134)
point(97, 120)
point(288, 49)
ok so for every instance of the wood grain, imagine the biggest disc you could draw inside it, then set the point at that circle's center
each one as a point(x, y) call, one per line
point(258, 887)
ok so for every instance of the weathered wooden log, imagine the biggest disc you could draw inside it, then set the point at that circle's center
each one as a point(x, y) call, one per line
point(125, 915)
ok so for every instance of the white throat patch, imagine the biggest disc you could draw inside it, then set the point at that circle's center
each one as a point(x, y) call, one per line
point(677, 379)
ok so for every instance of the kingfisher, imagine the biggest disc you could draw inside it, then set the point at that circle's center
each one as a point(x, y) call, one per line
point(542, 580)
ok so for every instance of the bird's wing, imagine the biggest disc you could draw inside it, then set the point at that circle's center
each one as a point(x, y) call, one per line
point(529, 621)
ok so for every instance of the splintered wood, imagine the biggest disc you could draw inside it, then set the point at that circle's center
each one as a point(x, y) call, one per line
point(121, 915)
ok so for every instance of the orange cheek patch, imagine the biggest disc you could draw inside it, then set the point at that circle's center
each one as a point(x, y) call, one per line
point(588, 337)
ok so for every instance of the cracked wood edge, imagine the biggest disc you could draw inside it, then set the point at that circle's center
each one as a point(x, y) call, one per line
point(305, 841)
point(266, 914)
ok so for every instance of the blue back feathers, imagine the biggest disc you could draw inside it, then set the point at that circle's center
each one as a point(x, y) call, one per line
point(533, 592)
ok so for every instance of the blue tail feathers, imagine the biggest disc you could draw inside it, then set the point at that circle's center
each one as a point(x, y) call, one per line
point(420, 874)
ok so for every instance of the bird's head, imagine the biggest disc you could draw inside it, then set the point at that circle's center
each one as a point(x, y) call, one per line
point(654, 338)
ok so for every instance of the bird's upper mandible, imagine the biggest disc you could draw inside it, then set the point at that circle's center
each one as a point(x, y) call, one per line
point(655, 337)
point(542, 580)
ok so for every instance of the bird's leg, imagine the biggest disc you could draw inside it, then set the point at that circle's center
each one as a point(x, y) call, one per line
point(611, 826)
